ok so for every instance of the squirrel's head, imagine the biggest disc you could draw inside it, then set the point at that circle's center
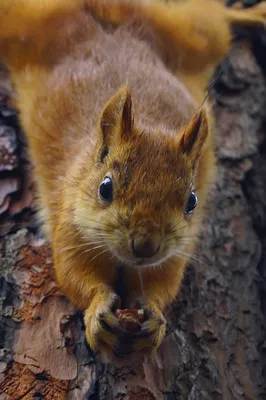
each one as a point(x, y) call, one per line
point(138, 200)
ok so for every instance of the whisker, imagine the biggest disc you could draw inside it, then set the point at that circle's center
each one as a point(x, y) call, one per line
point(97, 255)
point(92, 249)
point(174, 230)
point(73, 183)
point(113, 215)
point(80, 246)
point(189, 257)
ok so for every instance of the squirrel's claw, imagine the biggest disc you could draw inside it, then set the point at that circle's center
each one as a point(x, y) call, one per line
point(103, 331)
point(106, 336)
point(146, 341)
point(102, 326)
point(152, 332)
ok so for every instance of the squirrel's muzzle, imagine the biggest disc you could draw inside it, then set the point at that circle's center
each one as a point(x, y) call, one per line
point(145, 245)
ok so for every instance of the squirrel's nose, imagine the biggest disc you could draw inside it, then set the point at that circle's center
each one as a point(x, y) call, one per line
point(144, 246)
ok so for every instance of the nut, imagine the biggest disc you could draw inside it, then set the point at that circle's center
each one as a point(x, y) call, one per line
point(130, 319)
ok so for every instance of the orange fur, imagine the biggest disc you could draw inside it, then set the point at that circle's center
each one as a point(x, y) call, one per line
point(124, 103)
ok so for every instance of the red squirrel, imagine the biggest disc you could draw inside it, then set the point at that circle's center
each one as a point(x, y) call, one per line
point(110, 95)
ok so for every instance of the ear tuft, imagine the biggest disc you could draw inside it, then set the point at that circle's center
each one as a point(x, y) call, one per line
point(127, 120)
point(195, 134)
point(116, 120)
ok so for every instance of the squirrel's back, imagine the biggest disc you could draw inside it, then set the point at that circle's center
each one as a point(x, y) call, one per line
point(112, 60)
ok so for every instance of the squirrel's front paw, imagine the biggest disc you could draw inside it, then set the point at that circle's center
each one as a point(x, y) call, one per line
point(109, 338)
point(152, 332)
point(103, 329)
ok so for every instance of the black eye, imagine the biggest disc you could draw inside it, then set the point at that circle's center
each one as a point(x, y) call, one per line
point(192, 203)
point(106, 189)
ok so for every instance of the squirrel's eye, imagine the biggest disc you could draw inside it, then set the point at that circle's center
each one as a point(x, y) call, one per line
point(192, 203)
point(106, 189)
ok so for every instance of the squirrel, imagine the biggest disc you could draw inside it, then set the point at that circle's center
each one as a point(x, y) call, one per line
point(111, 99)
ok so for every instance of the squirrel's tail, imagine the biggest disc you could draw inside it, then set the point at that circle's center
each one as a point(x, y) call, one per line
point(18, 18)
point(28, 25)
point(117, 11)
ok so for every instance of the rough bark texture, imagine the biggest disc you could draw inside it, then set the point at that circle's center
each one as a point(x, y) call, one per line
point(216, 346)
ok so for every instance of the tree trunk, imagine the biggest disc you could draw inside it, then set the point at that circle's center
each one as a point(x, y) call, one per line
point(216, 345)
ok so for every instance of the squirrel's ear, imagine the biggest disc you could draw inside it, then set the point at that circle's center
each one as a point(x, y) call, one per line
point(195, 134)
point(116, 119)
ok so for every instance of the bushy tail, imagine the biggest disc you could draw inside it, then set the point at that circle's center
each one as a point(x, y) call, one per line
point(27, 26)
point(19, 18)
point(117, 11)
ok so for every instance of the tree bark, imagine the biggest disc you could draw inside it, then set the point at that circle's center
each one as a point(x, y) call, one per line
point(216, 345)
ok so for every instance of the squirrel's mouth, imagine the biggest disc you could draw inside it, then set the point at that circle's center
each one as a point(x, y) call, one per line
point(150, 263)
point(128, 259)
point(139, 250)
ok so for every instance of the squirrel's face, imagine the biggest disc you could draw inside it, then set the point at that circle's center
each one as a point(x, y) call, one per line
point(141, 196)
